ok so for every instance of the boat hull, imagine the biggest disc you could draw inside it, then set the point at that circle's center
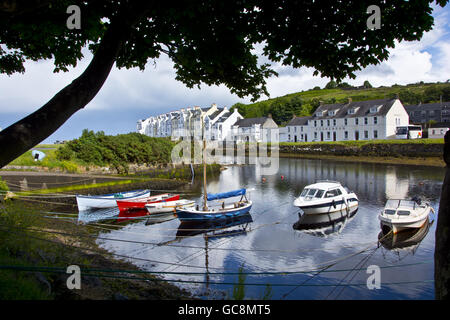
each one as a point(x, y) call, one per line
point(140, 203)
point(199, 215)
point(165, 207)
point(396, 226)
point(328, 207)
point(398, 223)
point(108, 200)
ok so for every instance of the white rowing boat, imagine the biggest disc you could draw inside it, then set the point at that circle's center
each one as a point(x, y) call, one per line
point(108, 200)
point(168, 206)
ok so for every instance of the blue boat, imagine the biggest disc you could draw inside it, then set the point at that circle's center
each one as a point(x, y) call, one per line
point(220, 211)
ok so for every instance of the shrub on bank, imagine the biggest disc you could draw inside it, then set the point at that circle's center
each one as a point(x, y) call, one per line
point(96, 148)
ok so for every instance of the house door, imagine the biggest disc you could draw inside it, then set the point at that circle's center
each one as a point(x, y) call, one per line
point(356, 135)
point(295, 138)
point(306, 138)
point(334, 136)
point(321, 136)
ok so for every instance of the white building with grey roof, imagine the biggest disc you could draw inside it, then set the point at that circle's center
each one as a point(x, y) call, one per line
point(261, 129)
point(361, 120)
point(187, 123)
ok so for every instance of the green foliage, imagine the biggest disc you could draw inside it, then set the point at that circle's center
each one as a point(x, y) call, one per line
point(367, 84)
point(239, 289)
point(3, 185)
point(331, 85)
point(117, 151)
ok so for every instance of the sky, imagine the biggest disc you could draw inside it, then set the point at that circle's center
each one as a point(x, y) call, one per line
point(130, 95)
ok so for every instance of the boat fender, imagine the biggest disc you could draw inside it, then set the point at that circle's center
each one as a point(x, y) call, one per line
point(334, 204)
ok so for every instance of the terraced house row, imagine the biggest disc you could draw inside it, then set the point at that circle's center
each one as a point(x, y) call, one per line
point(362, 120)
point(220, 124)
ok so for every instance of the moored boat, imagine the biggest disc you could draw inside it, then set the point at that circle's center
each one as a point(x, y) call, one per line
point(141, 202)
point(108, 200)
point(326, 197)
point(169, 206)
point(222, 210)
point(401, 214)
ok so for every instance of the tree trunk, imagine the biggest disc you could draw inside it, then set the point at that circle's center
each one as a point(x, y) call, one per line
point(31, 130)
point(442, 239)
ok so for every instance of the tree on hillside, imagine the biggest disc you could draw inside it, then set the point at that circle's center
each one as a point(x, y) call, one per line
point(209, 42)
point(331, 85)
point(367, 84)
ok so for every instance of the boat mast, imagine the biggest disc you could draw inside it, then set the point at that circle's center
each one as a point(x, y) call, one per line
point(205, 197)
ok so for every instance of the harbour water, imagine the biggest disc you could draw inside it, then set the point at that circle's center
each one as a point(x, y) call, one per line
point(277, 254)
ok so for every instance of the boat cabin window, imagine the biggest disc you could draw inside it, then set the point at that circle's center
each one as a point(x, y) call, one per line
point(312, 193)
point(319, 194)
point(403, 212)
point(333, 193)
point(389, 211)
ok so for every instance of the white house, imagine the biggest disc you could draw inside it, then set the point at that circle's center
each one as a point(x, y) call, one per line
point(222, 128)
point(188, 123)
point(256, 130)
point(362, 120)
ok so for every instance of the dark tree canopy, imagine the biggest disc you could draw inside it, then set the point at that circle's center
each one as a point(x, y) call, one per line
point(210, 42)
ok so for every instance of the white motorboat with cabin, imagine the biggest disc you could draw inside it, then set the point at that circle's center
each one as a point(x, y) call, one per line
point(324, 197)
point(401, 214)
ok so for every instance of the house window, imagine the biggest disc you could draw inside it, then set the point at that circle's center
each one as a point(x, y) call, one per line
point(334, 122)
point(356, 121)
point(289, 137)
point(345, 122)
point(321, 123)
point(289, 129)
point(315, 135)
point(328, 135)
point(328, 122)
point(375, 134)
point(346, 135)
point(366, 134)
point(375, 120)
point(301, 128)
point(295, 129)
point(366, 121)
point(315, 123)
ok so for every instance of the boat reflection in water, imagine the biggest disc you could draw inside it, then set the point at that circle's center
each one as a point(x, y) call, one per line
point(93, 216)
point(405, 242)
point(325, 224)
point(96, 215)
point(215, 228)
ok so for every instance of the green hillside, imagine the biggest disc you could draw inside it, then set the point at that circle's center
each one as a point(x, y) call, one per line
point(305, 103)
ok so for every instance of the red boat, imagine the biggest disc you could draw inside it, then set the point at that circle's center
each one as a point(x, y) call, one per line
point(141, 202)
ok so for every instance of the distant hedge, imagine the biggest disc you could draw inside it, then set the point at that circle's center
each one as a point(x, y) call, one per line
point(3, 185)
point(118, 151)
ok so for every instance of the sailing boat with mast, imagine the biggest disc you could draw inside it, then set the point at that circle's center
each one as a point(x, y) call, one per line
point(223, 210)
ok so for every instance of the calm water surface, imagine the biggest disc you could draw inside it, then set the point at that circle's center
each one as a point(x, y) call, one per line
point(274, 238)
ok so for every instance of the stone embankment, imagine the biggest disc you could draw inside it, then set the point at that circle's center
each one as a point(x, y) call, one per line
point(413, 150)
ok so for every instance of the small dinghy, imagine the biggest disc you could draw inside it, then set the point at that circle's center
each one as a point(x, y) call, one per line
point(324, 197)
point(399, 215)
point(223, 210)
point(169, 206)
point(108, 200)
point(136, 204)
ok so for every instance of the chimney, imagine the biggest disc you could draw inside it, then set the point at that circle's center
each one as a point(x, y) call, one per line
point(320, 103)
point(349, 100)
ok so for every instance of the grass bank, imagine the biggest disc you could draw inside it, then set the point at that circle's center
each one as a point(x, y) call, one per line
point(35, 252)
